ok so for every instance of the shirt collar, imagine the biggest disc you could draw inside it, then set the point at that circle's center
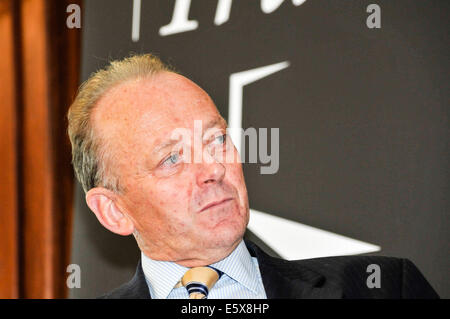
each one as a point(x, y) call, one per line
point(240, 267)
point(161, 276)
point(164, 275)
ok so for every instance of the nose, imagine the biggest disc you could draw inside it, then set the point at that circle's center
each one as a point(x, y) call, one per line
point(210, 172)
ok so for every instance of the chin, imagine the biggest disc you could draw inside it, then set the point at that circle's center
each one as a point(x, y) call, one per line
point(225, 231)
point(225, 234)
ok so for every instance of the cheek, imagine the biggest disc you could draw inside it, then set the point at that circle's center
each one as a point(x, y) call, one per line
point(172, 197)
point(175, 202)
point(170, 213)
point(235, 177)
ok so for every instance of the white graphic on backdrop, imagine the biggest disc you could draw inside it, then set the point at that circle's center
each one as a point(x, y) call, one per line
point(237, 83)
point(136, 21)
point(293, 240)
point(222, 12)
point(290, 239)
point(269, 6)
point(180, 17)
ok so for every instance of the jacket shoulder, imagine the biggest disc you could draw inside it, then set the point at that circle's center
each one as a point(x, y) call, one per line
point(124, 291)
point(372, 276)
point(136, 288)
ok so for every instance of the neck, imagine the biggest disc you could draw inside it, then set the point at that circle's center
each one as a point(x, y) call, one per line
point(208, 259)
point(205, 256)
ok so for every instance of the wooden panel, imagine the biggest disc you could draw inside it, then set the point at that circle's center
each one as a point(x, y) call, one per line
point(50, 75)
point(9, 264)
point(39, 238)
point(64, 51)
point(39, 68)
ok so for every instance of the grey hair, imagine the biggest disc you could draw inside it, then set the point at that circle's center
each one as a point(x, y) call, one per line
point(89, 152)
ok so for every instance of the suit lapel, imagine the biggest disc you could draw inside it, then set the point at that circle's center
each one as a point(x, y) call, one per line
point(138, 288)
point(289, 280)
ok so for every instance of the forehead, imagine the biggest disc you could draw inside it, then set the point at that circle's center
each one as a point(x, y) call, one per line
point(151, 108)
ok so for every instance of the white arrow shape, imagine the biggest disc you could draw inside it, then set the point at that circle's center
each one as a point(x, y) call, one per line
point(289, 239)
point(237, 83)
point(292, 240)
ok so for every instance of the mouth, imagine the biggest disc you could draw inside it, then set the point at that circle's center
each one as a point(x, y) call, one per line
point(216, 203)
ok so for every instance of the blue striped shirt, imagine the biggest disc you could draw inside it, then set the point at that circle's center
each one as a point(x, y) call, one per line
point(241, 278)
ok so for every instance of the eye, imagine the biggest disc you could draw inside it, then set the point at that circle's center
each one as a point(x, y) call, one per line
point(220, 139)
point(171, 160)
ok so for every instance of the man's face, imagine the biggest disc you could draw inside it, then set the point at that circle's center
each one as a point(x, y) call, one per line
point(185, 209)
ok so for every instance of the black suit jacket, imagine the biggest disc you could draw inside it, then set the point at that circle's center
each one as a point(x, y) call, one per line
point(330, 277)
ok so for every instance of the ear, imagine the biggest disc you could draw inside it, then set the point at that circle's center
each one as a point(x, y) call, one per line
point(102, 203)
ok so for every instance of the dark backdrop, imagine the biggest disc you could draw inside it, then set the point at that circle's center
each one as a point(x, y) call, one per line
point(363, 117)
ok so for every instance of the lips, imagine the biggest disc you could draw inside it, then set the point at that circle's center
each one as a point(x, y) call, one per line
point(216, 203)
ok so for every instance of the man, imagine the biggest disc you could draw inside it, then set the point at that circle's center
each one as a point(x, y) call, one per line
point(152, 154)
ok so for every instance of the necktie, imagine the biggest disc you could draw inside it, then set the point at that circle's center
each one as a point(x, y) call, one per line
point(199, 281)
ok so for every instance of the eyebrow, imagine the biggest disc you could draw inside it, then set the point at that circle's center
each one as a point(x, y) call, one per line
point(214, 122)
point(217, 121)
point(164, 145)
